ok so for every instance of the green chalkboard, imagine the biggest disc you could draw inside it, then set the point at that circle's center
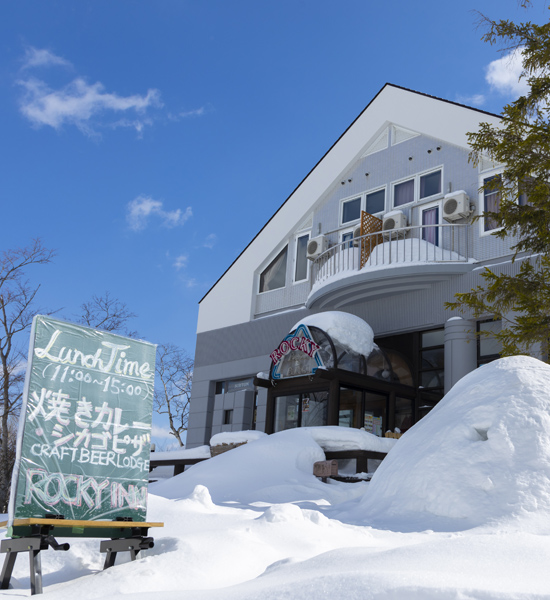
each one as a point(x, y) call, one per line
point(85, 430)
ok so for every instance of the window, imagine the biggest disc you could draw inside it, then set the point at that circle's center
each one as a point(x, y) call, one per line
point(403, 193)
point(274, 277)
point(300, 272)
point(228, 417)
point(432, 361)
point(523, 191)
point(488, 348)
point(491, 201)
point(376, 202)
point(430, 184)
point(348, 237)
point(351, 210)
point(430, 216)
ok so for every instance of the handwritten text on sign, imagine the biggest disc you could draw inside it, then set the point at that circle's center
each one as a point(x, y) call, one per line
point(86, 441)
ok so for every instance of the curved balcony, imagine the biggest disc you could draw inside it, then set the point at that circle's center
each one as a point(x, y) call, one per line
point(389, 262)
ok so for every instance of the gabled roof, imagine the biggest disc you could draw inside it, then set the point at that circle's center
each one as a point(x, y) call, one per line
point(483, 112)
point(426, 114)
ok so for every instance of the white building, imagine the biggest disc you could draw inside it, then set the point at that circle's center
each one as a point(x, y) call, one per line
point(404, 160)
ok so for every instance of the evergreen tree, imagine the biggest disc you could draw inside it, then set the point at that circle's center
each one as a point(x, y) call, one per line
point(521, 143)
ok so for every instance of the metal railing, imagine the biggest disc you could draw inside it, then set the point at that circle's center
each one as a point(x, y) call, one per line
point(446, 243)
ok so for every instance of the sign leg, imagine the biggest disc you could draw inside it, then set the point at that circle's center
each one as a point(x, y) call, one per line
point(36, 572)
point(7, 570)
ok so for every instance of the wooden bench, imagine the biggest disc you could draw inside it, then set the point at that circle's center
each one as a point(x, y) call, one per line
point(34, 534)
point(179, 464)
point(361, 457)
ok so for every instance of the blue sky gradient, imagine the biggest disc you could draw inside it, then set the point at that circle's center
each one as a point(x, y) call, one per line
point(148, 142)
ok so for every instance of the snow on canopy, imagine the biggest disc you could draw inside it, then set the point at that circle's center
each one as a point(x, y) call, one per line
point(481, 456)
point(349, 331)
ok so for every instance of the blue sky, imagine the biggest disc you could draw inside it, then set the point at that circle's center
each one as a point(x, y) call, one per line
point(148, 142)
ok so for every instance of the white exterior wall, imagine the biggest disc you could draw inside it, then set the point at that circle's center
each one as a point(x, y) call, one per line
point(235, 291)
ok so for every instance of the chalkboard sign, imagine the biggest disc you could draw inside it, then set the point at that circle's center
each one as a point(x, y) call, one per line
point(85, 429)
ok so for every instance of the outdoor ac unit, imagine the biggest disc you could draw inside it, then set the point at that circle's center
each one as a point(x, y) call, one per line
point(394, 220)
point(456, 206)
point(316, 246)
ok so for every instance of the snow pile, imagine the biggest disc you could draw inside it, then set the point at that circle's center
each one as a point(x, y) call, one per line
point(481, 456)
point(199, 452)
point(236, 437)
point(254, 522)
point(334, 438)
point(276, 468)
point(349, 331)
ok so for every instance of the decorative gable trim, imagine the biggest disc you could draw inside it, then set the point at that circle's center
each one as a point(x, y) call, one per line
point(400, 134)
point(380, 143)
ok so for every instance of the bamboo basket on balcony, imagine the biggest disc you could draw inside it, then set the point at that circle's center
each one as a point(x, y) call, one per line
point(369, 224)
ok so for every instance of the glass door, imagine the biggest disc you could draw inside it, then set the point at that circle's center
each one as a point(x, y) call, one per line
point(430, 222)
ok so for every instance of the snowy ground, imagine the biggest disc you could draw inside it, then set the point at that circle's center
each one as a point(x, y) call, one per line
point(459, 509)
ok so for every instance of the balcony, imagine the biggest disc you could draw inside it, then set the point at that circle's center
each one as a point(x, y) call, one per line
point(389, 262)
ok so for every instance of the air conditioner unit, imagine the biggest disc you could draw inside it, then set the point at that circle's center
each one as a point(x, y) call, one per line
point(456, 206)
point(394, 220)
point(316, 246)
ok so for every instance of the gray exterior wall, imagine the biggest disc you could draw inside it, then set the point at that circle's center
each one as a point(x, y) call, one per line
point(244, 350)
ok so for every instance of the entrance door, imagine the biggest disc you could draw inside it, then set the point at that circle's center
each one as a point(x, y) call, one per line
point(301, 410)
point(363, 409)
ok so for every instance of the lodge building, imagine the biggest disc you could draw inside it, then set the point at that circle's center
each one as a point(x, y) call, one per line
point(373, 242)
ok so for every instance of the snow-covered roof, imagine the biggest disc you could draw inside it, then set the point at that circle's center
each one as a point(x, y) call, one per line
point(349, 331)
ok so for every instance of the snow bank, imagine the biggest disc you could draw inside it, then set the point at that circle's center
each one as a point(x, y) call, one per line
point(199, 452)
point(236, 437)
point(481, 456)
point(275, 468)
point(334, 438)
point(348, 330)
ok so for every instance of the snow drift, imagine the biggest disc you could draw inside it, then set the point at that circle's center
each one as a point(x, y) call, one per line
point(481, 456)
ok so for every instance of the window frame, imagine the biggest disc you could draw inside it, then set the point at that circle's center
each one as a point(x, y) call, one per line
point(264, 269)
point(383, 188)
point(298, 236)
point(347, 200)
point(415, 178)
point(481, 200)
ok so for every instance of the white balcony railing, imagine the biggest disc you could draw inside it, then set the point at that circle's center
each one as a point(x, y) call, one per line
point(420, 244)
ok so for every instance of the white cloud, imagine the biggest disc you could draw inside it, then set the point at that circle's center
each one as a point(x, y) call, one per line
point(35, 57)
point(186, 114)
point(77, 103)
point(503, 74)
point(160, 432)
point(181, 261)
point(210, 240)
point(143, 208)
point(475, 100)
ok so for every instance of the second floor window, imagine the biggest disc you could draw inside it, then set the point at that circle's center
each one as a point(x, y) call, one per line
point(301, 258)
point(351, 210)
point(274, 276)
point(403, 193)
point(491, 201)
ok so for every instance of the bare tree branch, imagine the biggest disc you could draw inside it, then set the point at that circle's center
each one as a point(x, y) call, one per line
point(174, 370)
point(17, 296)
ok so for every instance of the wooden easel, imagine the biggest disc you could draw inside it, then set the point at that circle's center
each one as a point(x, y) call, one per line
point(33, 535)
